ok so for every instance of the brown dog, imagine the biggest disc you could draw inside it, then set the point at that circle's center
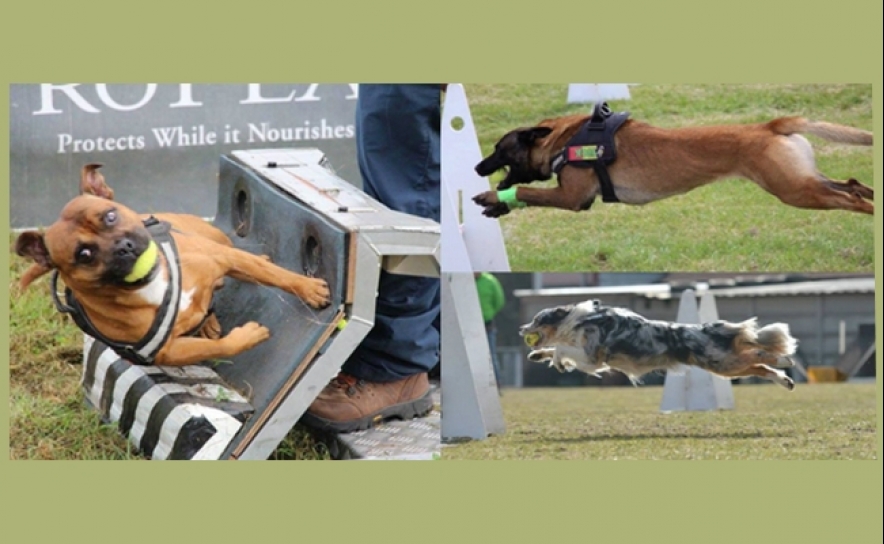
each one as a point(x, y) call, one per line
point(654, 163)
point(109, 261)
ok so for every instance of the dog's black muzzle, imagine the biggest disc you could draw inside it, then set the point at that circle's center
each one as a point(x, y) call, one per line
point(490, 165)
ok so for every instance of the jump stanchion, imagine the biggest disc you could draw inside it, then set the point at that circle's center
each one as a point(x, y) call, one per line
point(581, 93)
point(469, 391)
point(470, 241)
point(688, 388)
point(286, 204)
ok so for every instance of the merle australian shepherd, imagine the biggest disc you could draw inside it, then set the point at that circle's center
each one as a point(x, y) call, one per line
point(593, 338)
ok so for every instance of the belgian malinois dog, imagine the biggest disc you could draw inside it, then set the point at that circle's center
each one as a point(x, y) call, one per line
point(654, 163)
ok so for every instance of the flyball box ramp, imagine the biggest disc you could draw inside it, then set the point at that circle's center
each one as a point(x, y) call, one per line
point(286, 204)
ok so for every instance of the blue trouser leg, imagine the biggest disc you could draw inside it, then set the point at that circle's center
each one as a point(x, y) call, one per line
point(398, 147)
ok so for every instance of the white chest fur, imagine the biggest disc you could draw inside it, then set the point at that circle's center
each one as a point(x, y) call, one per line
point(153, 293)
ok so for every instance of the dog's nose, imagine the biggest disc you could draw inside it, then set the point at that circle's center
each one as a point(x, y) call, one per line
point(124, 246)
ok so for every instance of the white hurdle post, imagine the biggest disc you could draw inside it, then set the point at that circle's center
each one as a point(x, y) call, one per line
point(580, 93)
point(688, 388)
point(470, 399)
point(470, 241)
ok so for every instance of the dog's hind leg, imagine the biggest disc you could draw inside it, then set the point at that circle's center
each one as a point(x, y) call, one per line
point(787, 170)
point(811, 193)
point(851, 186)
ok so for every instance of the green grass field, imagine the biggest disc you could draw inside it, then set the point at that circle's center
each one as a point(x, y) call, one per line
point(816, 421)
point(728, 226)
point(48, 416)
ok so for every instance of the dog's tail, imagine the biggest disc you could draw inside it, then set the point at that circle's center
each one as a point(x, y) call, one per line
point(827, 131)
point(775, 338)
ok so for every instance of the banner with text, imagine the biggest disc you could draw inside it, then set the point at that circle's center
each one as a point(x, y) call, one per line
point(160, 144)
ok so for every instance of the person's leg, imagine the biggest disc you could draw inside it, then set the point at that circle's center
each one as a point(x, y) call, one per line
point(491, 332)
point(398, 146)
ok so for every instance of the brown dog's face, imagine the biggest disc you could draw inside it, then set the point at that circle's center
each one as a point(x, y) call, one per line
point(514, 152)
point(93, 244)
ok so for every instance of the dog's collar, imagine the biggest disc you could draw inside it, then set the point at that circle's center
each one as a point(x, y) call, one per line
point(593, 147)
point(145, 350)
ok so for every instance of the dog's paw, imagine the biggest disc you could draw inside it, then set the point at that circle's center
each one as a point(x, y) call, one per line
point(316, 293)
point(488, 198)
point(249, 335)
point(540, 355)
point(493, 207)
point(497, 210)
point(788, 383)
point(566, 365)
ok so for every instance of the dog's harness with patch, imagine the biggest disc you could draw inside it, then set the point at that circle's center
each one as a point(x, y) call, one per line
point(593, 147)
point(144, 351)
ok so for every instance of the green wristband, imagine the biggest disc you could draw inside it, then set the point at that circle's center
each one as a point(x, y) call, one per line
point(508, 197)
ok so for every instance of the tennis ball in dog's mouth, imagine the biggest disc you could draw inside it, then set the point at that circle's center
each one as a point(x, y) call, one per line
point(531, 339)
point(144, 264)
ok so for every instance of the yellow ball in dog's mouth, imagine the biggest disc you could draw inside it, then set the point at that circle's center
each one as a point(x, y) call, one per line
point(532, 338)
point(144, 264)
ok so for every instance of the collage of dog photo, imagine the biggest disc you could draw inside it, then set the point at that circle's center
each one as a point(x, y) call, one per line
point(442, 271)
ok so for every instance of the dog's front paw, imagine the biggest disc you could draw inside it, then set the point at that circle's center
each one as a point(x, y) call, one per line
point(488, 198)
point(492, 206)
point(563, 365)
point(316, 293)
point(248, 336)
point(540, 355)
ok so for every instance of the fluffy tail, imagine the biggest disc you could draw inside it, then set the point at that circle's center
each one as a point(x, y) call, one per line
point(827, 131)
point(775, 338)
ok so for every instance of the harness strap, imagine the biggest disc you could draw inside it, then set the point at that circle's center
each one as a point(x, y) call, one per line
point(145, 350)
point(593, 146)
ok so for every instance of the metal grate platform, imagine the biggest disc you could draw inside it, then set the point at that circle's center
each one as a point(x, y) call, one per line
point(417, 439)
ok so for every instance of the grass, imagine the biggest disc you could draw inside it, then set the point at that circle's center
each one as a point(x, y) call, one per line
point(728, 226)
point(818, 421)
point(48, 416)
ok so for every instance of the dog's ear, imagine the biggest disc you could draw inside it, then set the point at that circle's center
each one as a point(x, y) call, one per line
point(553, 316)
point(529, 136)
point(31, 244)
point(92, 182)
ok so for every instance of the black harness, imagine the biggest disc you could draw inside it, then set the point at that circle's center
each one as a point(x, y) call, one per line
point(144, 351)
point(593, 147)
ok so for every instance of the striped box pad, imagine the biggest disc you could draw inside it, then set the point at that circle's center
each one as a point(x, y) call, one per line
point(166, 412)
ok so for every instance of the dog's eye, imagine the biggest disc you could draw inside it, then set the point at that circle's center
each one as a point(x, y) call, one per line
point(84, 255)
point(110, 218)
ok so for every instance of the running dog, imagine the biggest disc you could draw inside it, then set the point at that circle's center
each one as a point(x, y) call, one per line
point(593, 338)
point(654, 163)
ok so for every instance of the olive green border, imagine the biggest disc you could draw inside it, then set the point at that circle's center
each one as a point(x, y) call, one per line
point(635, 41)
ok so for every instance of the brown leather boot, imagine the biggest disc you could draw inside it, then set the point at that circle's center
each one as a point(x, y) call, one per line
point(348, 404)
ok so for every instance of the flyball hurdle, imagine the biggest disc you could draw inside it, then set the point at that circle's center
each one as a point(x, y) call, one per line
point(287, 204)
point(689, 388)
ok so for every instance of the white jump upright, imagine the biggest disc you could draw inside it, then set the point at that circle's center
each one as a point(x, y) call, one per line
point(580, 93)
point(470, 241)
point(688, 388)
point(470, 400)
